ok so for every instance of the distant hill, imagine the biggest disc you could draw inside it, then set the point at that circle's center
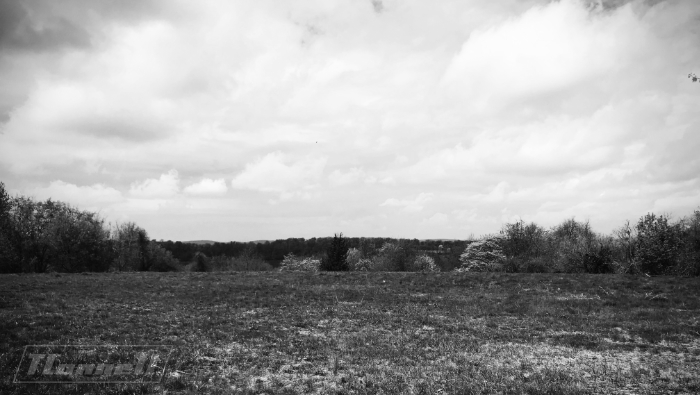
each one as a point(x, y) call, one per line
point(200, 242)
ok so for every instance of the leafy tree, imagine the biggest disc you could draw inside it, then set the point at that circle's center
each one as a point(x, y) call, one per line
point(523, 240)
point(161, 259)
point(353, 258)
point(78, 240)
point(9, 259)
point(131, 247)
point(693, 77)
point(689, 262)
point(657, 244)
point(485, 255)
point(335, 255)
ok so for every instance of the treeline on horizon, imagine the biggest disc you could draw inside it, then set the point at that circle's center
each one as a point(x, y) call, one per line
point(274, 252)
point(52, 236)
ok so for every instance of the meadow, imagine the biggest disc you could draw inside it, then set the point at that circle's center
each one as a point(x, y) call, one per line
point(368, 333)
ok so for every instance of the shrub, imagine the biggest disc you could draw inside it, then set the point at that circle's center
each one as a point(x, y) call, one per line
point(424, 263)
point(162, 260)
point(353, 258)
point(201, 263)
point(363, 265)
point(394, 257)
point(485, 255)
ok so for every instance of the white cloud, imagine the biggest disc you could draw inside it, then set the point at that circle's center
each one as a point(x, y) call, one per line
point(92, 197)
point(516, 108)
point(549, 48)
point(410, 205)
point(338, 178)
point(273, 173)
point(207, 187)
point(167, 186)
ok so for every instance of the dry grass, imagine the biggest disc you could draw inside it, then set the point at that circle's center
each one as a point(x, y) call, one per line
point(286, 333)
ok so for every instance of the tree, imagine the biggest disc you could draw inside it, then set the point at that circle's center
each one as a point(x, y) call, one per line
point(335, 255)
point(689, 262)
point(694, 77)
point(485, 255)
point(657, 244)
point(9, 260)
point(201, 263)
point(78, 240)
point(130, 244)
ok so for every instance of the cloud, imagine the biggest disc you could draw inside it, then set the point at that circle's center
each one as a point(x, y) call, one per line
point(92, 197)
point(338, 178)
point(207, 187)
point(317, 112)
point(271, 173)
point(409, 205)
point(167, 186)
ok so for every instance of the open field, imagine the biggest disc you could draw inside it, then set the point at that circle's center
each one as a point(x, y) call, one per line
point(286, 333)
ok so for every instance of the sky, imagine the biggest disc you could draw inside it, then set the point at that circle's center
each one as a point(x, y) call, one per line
point(266, 119)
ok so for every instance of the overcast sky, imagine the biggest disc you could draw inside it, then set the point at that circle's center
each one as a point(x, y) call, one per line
point(244, 120)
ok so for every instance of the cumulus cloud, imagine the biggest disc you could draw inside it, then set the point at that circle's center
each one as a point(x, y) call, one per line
point(207, 187)
point(166, 186)
point(274, 173)
point(517, 108)
point(93, 197)
point(410, 205)
point(339, 178)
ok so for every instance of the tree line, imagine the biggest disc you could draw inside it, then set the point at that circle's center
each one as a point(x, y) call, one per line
point(51, 236)
point(219, 256)
point(654, 245)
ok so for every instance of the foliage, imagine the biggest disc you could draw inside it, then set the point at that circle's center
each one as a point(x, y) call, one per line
point(689, 255)
point(424, 263)
point(162, 260)
point(525, 241)
point(693, 77)
point(353, 258)
point(131, 247)
point(484, 255)
point(658, 244)
point(395, 257)
point(201, 263)
point(9, 259)
point(334, 260)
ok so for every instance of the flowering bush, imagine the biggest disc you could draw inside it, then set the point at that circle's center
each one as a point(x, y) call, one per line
point(485, 255)
point(425, 263)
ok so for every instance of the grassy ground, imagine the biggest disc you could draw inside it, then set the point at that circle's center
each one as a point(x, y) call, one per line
point(286, 333)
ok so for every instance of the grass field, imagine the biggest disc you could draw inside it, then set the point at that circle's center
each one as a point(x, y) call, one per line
point(286, 333)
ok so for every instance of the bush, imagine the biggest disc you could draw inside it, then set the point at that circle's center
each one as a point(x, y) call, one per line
point(394, 257)
point(424, 263)
point(485, 255)
point(201, 263)
point(353, 258)
point(363, 265)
